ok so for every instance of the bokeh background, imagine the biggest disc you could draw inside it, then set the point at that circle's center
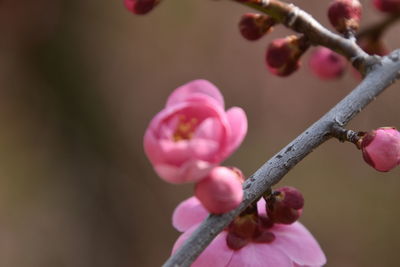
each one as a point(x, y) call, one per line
point(79, 82)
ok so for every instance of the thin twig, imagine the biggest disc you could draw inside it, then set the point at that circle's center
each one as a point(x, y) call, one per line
point(378, 79)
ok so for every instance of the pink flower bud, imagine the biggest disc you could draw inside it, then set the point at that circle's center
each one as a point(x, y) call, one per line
point(254, 26)
point(381, 148)
point(283, 55)
point(284, 205)
point(140, 7)
point(327, 64)
point(221, 191)
point(387, 6)
point(345, 15)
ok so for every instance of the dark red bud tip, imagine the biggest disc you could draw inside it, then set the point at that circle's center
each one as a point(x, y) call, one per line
point(140, 7)
point(345, 15)
point(387, 6)
point(381, 148)
point(282, 57)
point(254, 26)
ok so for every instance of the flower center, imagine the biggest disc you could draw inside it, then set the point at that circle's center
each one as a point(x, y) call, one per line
point(249, 228)
point(185, 128)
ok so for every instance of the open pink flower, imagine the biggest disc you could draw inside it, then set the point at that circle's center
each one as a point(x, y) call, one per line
point(193, 133)
point(291, 246)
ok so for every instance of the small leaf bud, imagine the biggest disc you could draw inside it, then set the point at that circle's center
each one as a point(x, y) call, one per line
point(345, 15)
point(381, 148)
point(254, 26)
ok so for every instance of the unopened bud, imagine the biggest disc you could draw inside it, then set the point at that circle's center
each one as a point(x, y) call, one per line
point(327, 64)
point(387, 6)
point(140, 7)
point(221, 191)
point(381, 148)
point(254, 26)
point(345, 15)
point(285, 205)
point(283, 55)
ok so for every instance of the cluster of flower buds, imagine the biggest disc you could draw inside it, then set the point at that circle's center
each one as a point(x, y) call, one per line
point(191, 136)
point(140, 7)
point(381, 148)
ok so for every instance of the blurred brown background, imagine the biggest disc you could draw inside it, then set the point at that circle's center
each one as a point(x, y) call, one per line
point(79, 82)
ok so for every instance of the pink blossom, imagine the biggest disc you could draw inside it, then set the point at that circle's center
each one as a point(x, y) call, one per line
point(193, 133)
point(327, 64)
point(381, 148)
point(293, 245)
point(221, 191)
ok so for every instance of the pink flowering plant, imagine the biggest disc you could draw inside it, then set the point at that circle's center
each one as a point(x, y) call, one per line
point(236, 221)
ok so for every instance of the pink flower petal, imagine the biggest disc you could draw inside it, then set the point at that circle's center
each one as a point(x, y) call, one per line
point(298, 243)
point(204, 149)
point(188, 213)
point(196, 87)
point(210, 128)
point(238, 123)
point(175, 153)
point(261, 207)
point(260, 255)
point(191, 171)
point(216, 254)
point(152, 147)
